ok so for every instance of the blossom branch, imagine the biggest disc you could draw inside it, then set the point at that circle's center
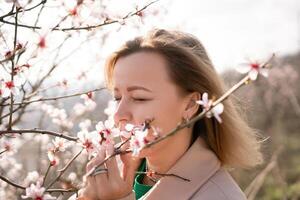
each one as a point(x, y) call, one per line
point(62, 190)
point(22, 10)
point(161, 174)
point(3, 151)
point(46, 174)
point(61, 171)
point(12, 72)
point(11, 182)
point(40, 132)
point(83, 27)
point(116, 152)
point(54, 98)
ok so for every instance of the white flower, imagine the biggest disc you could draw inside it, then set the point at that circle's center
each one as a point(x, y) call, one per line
point(138, 141)
point(84, 125)
point(18, 3)
point(54, 160)
point(60, 144)
point(36, 192)
point(32, 177)
point(59, 116)
point(79, 109)
point(207, 104)
point(216, 112)
point(8, 87)
point(87, 141)
point(72, 176)
point(128, 132)
point(111, 108)
point(107, 132)
point(253, 69)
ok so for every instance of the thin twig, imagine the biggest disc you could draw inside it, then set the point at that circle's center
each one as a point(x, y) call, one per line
point(161, 174)
point(54, 98)
point(40, 132)
point(61, 171)
point(62, 190)
point(11, 107)
point(122, 143)
point(83, 27)
point(3, 178)
point(117, 152)
point(258, 181)
point(3, 151)
point(48, 169)
point(10, 182)
point(21, 10)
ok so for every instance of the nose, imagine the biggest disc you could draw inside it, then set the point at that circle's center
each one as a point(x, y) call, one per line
point(122, 114)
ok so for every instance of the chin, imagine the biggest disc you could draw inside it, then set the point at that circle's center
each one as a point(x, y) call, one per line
point(149, 152)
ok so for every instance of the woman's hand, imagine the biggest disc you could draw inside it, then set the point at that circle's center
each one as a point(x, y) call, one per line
point(114, 183)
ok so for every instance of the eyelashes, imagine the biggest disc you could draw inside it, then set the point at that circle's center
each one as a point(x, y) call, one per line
point(118, 99)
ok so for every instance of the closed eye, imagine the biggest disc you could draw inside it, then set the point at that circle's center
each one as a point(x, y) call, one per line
point(117, 99)
point(139, 99)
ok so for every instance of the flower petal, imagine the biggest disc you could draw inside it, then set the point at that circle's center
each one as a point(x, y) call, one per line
point(253, 74)
point(243, 68)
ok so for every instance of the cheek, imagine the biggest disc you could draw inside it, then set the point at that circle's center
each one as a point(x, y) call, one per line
point(167, 116)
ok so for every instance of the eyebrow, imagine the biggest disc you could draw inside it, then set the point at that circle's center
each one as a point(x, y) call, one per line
point(132, 88)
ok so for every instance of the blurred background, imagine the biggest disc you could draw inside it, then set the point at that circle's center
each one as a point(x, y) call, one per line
point(63, 62)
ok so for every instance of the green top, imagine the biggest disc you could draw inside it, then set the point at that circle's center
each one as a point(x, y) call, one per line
point(139, 188)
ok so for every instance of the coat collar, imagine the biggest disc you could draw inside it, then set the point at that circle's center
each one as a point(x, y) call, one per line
point(198, 164)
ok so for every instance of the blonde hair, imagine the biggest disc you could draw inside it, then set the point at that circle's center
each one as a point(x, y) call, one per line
point(189, 67)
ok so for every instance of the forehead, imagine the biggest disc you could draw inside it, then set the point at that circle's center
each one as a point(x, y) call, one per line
point(147, 69)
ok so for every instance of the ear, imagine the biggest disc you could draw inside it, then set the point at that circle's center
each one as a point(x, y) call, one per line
point(191, 105)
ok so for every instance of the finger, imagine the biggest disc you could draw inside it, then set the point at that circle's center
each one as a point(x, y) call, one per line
point(131, 165)
point(112, 165)
point(95, 161)
point(88, 191)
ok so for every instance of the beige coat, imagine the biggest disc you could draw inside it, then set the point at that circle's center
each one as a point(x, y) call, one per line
point(208, 180)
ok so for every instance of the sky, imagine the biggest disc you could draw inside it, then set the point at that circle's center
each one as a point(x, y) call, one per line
point(235, 30)
point(232, 31)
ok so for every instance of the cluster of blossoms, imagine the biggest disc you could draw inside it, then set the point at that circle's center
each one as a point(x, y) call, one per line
point(8, 86)
point(10, 145)
point(37, 192)
point(59, 116)
point(59, 145)
point(88, 105)
point(100, 139)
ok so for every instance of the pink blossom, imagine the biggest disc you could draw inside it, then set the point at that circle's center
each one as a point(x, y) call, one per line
point(87, 141)
point(128, 132)
point(42, 42)
point(138, 141)
point(253, 69)
point(54, 160)
point(32, 177)
point(207, 104)
point(8, 87)
point(60, 144)
point(107, 132)
point(36, 192)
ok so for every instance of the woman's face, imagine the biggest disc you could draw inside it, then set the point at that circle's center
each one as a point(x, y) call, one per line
point(144, 90)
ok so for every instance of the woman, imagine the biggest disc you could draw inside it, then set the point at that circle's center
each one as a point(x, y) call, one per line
point(161, 76)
